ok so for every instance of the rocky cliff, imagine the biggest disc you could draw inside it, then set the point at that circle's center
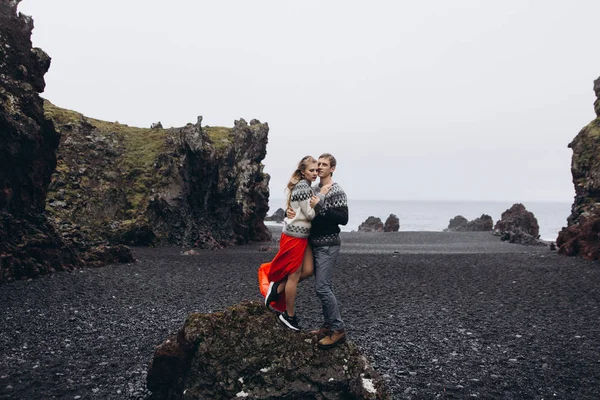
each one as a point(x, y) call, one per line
point(29, 245)
point(193, 186)
point(581, 236)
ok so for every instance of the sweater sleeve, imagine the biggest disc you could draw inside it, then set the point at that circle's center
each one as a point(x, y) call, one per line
point(338, 214)
point(307, 210)
point(302, 194)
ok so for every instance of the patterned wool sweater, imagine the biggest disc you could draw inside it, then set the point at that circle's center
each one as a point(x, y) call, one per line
point(299, 226)
point(332, 211)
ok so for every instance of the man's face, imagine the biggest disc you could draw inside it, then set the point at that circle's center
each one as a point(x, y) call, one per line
point(324, 168)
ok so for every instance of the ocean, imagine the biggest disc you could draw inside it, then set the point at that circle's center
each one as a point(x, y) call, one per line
point(435, 215)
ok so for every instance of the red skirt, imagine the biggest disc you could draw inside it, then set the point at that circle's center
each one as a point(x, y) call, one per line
point(287, 261)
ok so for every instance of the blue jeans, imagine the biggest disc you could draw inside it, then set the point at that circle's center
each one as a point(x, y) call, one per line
point(325, 263)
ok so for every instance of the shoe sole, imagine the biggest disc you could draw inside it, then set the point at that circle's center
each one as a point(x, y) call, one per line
point(287, 324)
point(329, 346)
point(269, 293)
point(320, 335)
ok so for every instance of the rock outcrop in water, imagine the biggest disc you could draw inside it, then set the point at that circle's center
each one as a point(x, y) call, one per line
point(190, 186)
point(392, 224)
point(582, 234)
point(517, 225)
point(371, 224)
point(461, 224)
point(244, 352)
point(278, 216)
point(29, 243)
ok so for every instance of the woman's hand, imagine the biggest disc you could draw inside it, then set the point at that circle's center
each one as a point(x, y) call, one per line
point(290, 213)
point(325, 188)
point(313, 201)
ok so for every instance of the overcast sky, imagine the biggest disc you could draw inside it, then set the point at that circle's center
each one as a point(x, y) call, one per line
point(437, 100)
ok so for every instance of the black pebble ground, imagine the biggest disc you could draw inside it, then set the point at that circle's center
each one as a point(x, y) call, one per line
point(439, 315)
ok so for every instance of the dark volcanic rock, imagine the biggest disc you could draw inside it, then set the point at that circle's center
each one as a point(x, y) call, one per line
point(28, 140)
point(597, 91)
point(371, 224)
point(581, 236)
point(517, 225)
point(392, 224)
point(278, 216)
point(460, 224)
point(457, 223)
point(29, 244)
point(190, 186)
point(102, 255)
point(481, 224)
point(243, 352)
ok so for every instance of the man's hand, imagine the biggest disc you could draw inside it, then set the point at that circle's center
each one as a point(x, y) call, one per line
point(313, 201)
point(290, 213)
point(325, 188)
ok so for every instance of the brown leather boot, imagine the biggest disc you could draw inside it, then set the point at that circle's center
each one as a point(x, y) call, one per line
point(337, 337)
point(321, 332)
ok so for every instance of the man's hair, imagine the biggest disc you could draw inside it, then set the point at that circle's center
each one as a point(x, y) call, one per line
point(332, 161)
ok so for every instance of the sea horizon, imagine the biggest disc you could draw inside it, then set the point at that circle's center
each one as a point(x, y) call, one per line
point(434, 215)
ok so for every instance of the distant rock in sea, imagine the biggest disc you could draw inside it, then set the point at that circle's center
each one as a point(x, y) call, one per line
point(457, 223)
point(517, 225)
point(392, 224)
point(244, 352)
point(371, 224)
point(278, 216)
point(461, 224)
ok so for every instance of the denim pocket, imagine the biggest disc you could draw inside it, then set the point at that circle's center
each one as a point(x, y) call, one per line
point(333, 250)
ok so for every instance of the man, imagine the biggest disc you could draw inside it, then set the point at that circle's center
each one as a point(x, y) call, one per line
point(331, 208)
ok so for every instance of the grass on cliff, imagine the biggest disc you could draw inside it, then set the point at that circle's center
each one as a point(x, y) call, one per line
point(142, 145)
point(220, 136)
point(61, 116)
point(141, 148)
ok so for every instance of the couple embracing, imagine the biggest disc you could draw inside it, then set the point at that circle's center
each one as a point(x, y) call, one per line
point(310, 244)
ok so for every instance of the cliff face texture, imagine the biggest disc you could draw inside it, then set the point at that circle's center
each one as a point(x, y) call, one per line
point(29, 245)
point(28, 141)
point(190, 186)
point(582, 235)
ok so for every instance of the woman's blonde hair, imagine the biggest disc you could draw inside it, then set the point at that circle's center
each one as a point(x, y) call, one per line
point(297, 176)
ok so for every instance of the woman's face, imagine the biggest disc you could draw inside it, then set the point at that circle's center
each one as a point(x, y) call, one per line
point(310, 173)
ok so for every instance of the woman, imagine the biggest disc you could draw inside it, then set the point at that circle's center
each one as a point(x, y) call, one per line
point(279, 279)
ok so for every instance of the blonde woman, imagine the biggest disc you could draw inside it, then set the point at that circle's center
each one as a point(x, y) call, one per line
point(279, 278)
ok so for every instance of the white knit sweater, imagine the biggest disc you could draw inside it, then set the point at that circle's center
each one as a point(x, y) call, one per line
point(299, 226)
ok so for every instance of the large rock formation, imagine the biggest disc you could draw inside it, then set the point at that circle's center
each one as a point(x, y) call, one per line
point(456, 223)
point(392, 224)
point(29, 243)
point(243, 352)
point(371, 224)
point(461, 224)
point(28, 141)
point(193, 186)
point(581, 236)
point(517, 225)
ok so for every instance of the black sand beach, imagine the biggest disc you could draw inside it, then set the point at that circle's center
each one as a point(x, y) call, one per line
point(440, 315)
